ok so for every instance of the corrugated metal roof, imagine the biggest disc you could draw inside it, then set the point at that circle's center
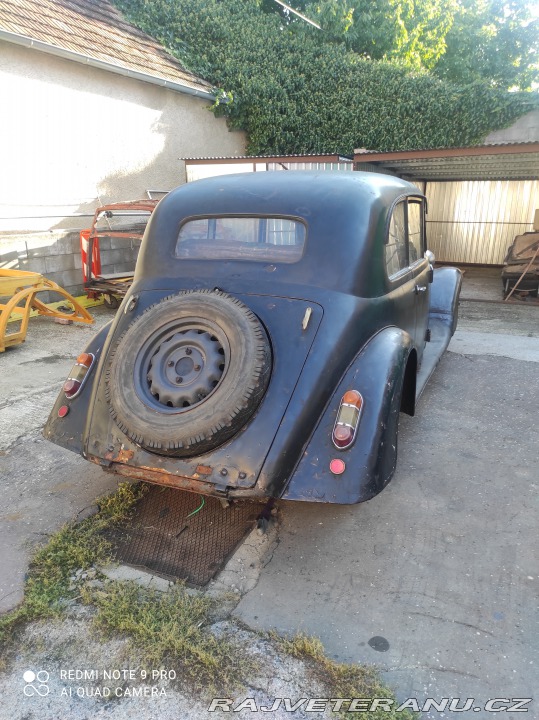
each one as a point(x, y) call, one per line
point(94, 28)
point(499, 147)
point(307, 157)
point(507, 161)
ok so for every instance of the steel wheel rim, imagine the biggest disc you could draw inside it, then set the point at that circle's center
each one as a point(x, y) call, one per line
point(181, 365)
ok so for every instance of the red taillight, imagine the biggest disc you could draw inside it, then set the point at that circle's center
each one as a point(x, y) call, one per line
point(71, 387)
point(77, 376)
point(347, 421)
point(343, 434)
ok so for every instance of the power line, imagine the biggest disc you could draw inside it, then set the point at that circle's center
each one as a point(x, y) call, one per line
point(303, 17)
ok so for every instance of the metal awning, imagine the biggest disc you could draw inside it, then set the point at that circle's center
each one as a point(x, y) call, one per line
point(269, 159)
point(508, 161)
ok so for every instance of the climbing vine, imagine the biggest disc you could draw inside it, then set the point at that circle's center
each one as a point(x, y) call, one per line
point(292, 92)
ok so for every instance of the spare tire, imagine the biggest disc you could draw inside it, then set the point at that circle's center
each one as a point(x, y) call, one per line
point(188, 373)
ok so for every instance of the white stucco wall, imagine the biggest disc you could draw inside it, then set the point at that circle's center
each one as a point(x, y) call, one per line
point(73, 137)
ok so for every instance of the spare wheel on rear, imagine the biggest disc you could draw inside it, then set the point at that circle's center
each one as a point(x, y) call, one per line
point(188, 373)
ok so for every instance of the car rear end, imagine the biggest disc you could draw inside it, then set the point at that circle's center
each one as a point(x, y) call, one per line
point(245, 314)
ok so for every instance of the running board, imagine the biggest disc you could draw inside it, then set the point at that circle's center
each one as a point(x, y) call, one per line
point(440, 335)
point(443, 316)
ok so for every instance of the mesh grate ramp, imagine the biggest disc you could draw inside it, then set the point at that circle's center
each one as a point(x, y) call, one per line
point(163, 536)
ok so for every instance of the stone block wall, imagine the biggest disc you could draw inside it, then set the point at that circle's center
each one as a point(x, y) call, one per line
point(56, 255)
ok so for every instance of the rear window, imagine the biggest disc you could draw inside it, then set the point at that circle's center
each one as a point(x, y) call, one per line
point(266, 239)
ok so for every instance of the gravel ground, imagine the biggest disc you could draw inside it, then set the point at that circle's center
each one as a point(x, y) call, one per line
point(44, 487)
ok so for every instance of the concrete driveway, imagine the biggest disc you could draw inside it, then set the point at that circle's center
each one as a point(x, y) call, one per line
point(435, 580)
point(42, 486)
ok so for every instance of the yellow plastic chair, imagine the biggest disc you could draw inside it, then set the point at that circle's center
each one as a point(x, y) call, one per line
point(23, 287)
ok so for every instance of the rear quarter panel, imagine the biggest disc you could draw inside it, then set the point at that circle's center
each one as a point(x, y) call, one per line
point(378, 373)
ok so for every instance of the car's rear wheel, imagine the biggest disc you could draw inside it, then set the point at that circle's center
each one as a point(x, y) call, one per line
point(188, 373)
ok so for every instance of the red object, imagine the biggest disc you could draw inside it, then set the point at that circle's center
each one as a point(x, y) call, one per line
point(337, 466)
point(63, 411)
point(91, 266)
point(95, 267)
point(71, 387)
point(343, 435)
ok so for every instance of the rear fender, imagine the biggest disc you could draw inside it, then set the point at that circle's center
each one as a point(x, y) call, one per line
point(68, 432)
point(379, 372)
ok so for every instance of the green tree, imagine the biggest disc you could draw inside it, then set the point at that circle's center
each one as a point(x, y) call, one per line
point(409, 32)
point(464, 41)
point(496, 41)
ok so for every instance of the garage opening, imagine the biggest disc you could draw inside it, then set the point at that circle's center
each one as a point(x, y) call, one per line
point(479, 199)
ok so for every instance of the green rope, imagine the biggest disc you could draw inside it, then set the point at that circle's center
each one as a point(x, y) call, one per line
point(198, 509)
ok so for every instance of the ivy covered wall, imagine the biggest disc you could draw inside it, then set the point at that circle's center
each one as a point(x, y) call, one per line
point(294, 93)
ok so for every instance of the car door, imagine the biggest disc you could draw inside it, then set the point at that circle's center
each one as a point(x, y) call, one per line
point(401, 282)
point(408, 270)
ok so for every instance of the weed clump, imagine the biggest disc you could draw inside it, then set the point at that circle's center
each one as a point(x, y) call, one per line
point(73, 547)
point(342, 680)
point(176, 627)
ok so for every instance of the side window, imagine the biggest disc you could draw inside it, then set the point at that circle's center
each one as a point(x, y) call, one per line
point(395, 250)
point(415, 231)
point(405, 242)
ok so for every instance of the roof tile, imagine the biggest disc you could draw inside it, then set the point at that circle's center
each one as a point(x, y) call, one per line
point(94, 28)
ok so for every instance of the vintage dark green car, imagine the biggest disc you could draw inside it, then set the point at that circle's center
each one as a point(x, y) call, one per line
point(277, 324)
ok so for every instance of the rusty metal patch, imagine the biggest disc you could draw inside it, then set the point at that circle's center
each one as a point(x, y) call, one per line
point(181, 535)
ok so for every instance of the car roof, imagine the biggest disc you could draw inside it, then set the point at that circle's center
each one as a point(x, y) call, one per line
point(286, 189)
point(345, 214)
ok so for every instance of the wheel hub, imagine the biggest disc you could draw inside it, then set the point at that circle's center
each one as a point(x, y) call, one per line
point(185, 368)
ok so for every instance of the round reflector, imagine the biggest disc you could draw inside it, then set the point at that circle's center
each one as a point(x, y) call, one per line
point(62, 412)
point(337, 466)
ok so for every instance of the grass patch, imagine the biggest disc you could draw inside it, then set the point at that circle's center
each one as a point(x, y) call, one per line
point(163, 627)
point(173, 627)
point(73, 547)
point(342, 680)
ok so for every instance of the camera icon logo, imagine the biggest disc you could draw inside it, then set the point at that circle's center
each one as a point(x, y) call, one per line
point(36, 683)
